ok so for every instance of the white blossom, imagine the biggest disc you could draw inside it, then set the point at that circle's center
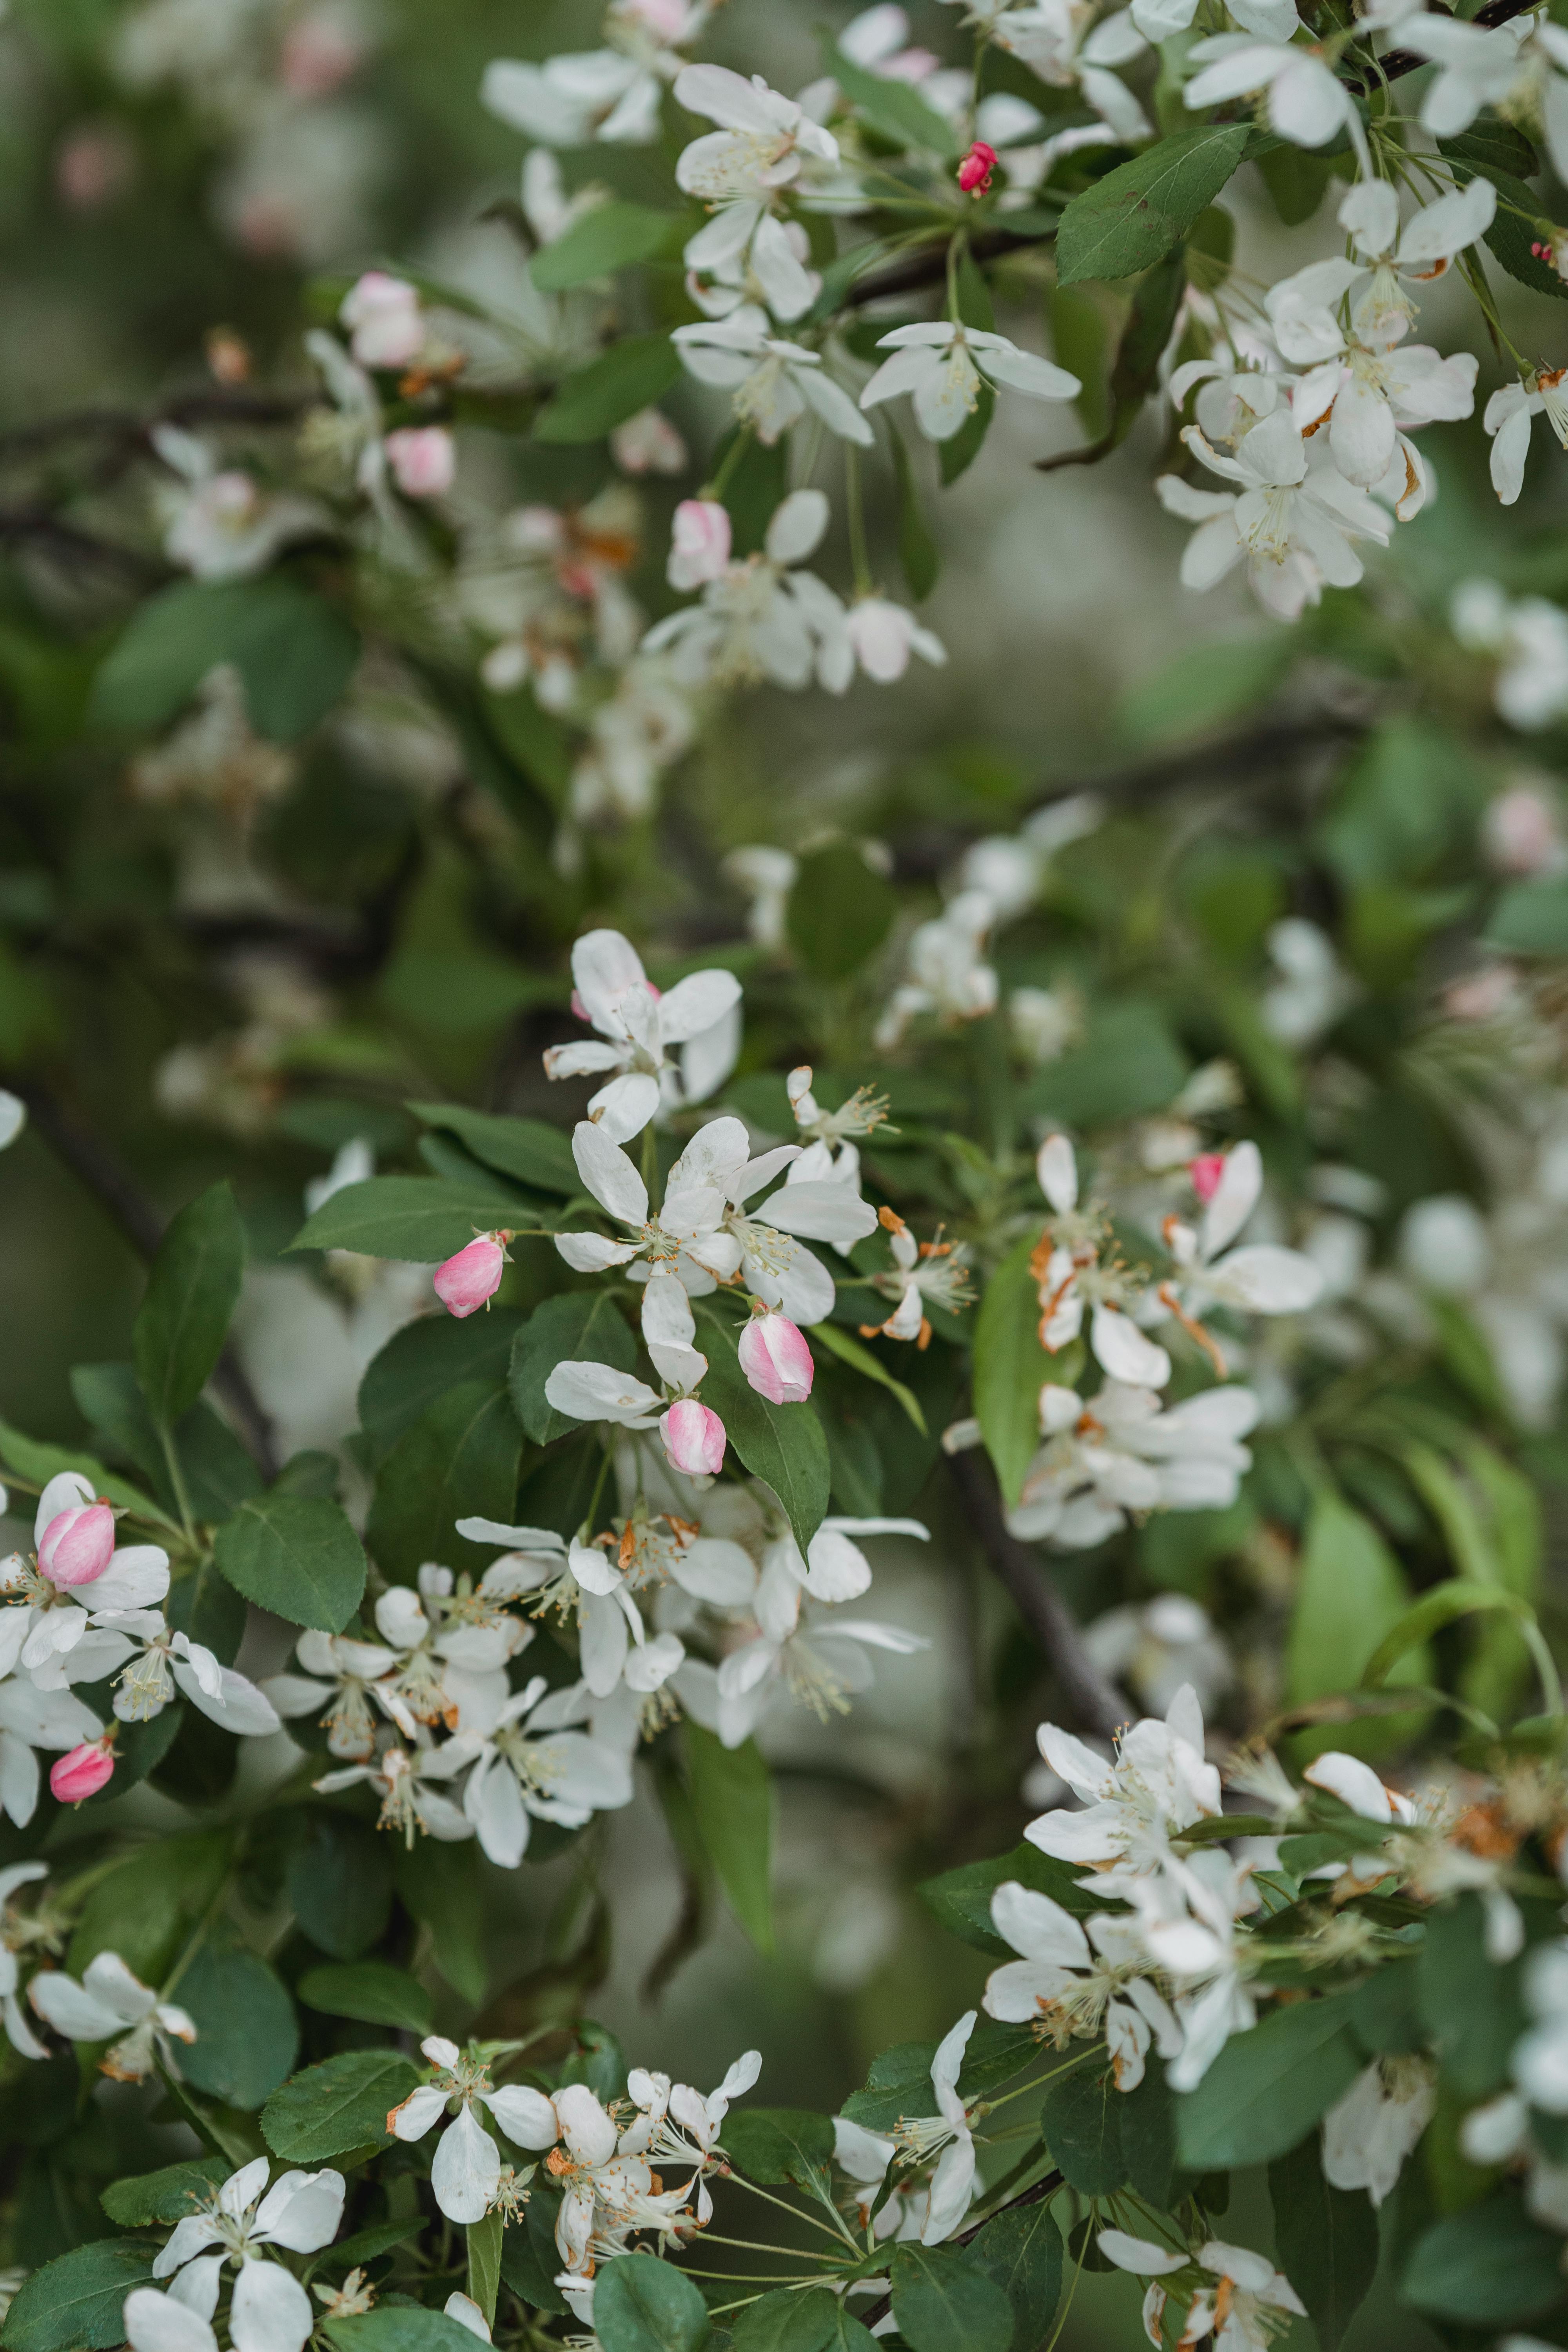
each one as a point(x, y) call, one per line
point(739, 171)
point(99, 2009)
point(944, 365)
point(772, 383)
point(614, 994)
point(1292, 519)
point(764, 617)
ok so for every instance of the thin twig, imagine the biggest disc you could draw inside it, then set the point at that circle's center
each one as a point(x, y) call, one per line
point(116, 1191)
point(926, 266)
point(1090, 1695)
point(1405, 61)
point(35, 524)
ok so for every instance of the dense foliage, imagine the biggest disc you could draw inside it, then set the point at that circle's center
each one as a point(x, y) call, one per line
point(611, 1188)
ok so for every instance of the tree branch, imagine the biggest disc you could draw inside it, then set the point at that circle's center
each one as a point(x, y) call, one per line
point(37, 525)
point(116, 1191)
point(1399, 62)
point(1092, 1697)
point(926, 266)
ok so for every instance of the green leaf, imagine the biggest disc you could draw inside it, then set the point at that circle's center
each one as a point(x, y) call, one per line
point(426, 1358)
point(1131, 218)
point(894, 108)
point(1020, 2249)
point(579, 1326)
point(147, 1905)
point(641, 2305)
point(1129, 1063)
point(606, 238)
point(866, 1362)
point(398, 2327)
point(1148, 2134)
point(296, 1556)
point(1471, 2006)
point(955, 455)
point(528, 2266)
point(787, 2321)
point(163, 2197)
point(1135, 371)
point(1297, 181)
point(1268, 2086)
point(944, 2302)
point(74, 2305)
point(917, 549)
point(776, 2146)
point(460, 1459)
point(246, 2037)
point(1325, 2242)
point(1208, 685)
point(839, 912)
point(374, 1991)
point(30, 1458)
point(782, 1443)
point(441, 1887)
point(1440, 1607)
point(1011, 1368)
point(339, 1884)
point(1486, 152)
point(295, 653)
point(1350, 1593)
point(1081, 2125)
point(484, 2263)
point(528, 1149)
point(733, 1800)
point(1531, 919)
point(192, 1292)
point(219, 1474)
point(632, 375)
point(416, 1217)
point(342, 2104)
point(1482, 2268)
point(960, 1898)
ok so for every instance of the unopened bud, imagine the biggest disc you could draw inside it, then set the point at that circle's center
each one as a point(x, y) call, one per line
point(698, 543)
point(974, 171)
point(422, 458)
point(776, 1359)
point(471, 1279)
point(77, 1545)
point(694, 1439)
point(1205, 1171)
point(83, 1772)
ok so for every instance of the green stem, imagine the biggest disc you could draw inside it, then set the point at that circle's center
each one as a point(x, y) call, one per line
point(857, 520)
point(177, 1481)
point(727, 463)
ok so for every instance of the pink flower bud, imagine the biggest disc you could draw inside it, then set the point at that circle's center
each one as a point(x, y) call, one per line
point(1205, 1171)
point(383, 314)
point(693, 1438)
point(423, 460)
point(471, 1279)
point(84, 1771)
point(776, 1359)
point(698, 543)
point(974, 171)
point(77, 1545)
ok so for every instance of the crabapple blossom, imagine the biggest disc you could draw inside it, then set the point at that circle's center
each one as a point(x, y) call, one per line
point(1157, 1785)
point(465, 2171)
point(698, 543)
point(947, 973)
point(219, 526)
point(470, 1279)
point(1528, 636)
point(648, 443)
point(772, 383)
point(382, 314)
point(1372, 2128)
point(108, 2000)
point(922, 1273)
point(1061, 41)
point(1292, 518)
point(974, 170)
point(640, 1024)
point(739, 168)
point(882, 635)
point(1308, 104)
point(765, 617)
point(75, 1544)
point(945, 365)
point(529, 1764)
point(1508, 417)
point(16, 1932)
point(423, 460)
point(269, 2310)
point(1079, 1977)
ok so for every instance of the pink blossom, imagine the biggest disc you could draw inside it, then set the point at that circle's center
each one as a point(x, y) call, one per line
point(693, 1438)
point(776, 1359)
point(319, 55)
point(83, 1772)
point(883, 635)
point(471, 1279)
point(647, 442)
point(382, 313)
point(1521, 832)
point(698, 543)
point(974, 171)
point(667, 19)
point(1205, 1171)
point(93, 166)
point(423, 459)
point(77, 1544)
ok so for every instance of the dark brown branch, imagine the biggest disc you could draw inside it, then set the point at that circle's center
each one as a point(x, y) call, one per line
point(926, 266)
point(35, 526)
point(1038, 2195)
point(1092, 1697)
point(1399, 62)
point(213, 406)
point(116, 1191)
